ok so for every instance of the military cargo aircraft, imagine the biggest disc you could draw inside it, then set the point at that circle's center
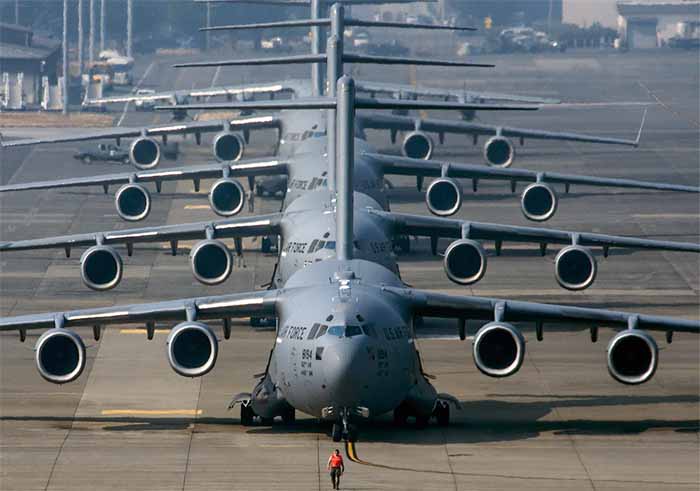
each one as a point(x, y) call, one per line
point(353, 355)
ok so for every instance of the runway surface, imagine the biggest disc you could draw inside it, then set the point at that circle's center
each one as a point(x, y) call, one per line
point(561, 423)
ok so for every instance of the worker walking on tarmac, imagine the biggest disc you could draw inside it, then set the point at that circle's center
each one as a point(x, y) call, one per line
point(337, 467)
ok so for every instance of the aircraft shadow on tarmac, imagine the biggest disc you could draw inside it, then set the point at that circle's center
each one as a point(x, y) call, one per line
point(481, 421)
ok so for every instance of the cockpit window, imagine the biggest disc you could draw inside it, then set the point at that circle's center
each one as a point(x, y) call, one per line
point(351, 331)
point(313, 331)
point(330, 245)
point(336, 331)
point(322, 331)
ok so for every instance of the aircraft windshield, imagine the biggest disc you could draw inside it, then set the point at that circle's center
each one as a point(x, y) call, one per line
point(347, 331)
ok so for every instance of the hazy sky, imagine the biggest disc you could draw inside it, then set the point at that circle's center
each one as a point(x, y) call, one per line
point(589, 11)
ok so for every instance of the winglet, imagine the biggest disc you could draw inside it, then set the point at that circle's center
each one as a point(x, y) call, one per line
point(641, 127)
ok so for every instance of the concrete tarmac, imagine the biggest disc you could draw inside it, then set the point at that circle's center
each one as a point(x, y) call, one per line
point(561, 423)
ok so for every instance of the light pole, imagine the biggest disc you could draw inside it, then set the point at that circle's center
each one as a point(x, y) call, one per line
point(64, 86)
point(80, 35)
point(103, 33)
point(91, 35)
point(129, 26)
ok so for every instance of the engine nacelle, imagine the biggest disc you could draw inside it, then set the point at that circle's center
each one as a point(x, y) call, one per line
point(133, 202)
point(211, 262)
point(632, 357)
point(60, 356)
point(228, 147)
point(192, 349)
point(144, 153)
point(499, 152)
point(499, 349)
point(417, 145)
point(444, 197)
point(465, 261)
point(539, 202)
point(226, 197)
point(101, 268)
point(575, 268)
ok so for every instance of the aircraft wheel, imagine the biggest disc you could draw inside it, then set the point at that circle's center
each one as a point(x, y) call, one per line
point(337, 432)
point(422, 421)
point(352, 433)
point(289, 416)
point(247, 415)
point(400, 415)
point(266, 245)
point(442, 414)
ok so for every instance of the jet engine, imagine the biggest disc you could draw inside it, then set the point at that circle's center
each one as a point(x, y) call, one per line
point(60, 356)
point(444, 197)
point(226, 197)
point(417, 145)
point(575, 268)
point(499, 349)
point(133, 202)
point(211, 262)
point(101, 267)
point(228, 147)
point(539, 202)
point(144, 153)
point(499, 152)
point(192, 349)
point(465, 261)
point(632, 357)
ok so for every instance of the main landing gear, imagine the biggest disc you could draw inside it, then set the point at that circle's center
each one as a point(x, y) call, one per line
point(441, 413)
point(249, 418)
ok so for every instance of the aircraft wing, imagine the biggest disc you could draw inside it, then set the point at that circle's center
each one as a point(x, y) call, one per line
point(408, 123)
point(431, 304)
point(239, 91)
point(196, 127)
point(248, 226)
point(433, 168)
point(256, 167)
point(409, 91)
point(451, 228)
point(221, 306)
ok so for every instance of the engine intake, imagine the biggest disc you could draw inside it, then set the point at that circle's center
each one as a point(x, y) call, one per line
point(632, 357)
point(499, 152)
point(133, 202)
point(60, 356)
point(211, 262)
point(539, 202)
point(575, 268)
point(465, 261)
point(192, 349)
point(499, 349)
point(226, 197)
point(444, 197)
point(144, 153)
point(417, 145)
point(101, 268)
point(228, 147)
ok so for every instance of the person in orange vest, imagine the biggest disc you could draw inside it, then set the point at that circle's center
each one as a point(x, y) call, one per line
point(337, 467)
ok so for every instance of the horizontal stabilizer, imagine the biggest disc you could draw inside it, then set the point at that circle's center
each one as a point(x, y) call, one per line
point(321, 58)
point(360, 103)
point(327, 22)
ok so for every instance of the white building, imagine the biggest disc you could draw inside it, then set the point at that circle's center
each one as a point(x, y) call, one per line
point(645, 24)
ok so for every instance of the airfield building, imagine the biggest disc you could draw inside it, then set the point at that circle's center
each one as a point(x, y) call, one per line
point(646, 24)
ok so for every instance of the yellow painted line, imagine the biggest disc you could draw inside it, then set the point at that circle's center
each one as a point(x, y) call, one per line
point(197, 207)
point(142, 331)
point(666, 215)
point(151, 412)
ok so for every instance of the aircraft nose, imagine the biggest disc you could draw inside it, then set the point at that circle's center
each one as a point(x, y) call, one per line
point(346, 371)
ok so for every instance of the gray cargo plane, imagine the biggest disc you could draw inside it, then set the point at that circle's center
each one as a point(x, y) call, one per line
point(353, 355)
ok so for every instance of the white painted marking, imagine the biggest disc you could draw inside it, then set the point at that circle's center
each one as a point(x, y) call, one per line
point(96, 316)
point(232, 303)
point(237, 225)
point(132, 235)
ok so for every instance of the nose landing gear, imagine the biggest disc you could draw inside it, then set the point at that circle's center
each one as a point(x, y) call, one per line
point(344, 430)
